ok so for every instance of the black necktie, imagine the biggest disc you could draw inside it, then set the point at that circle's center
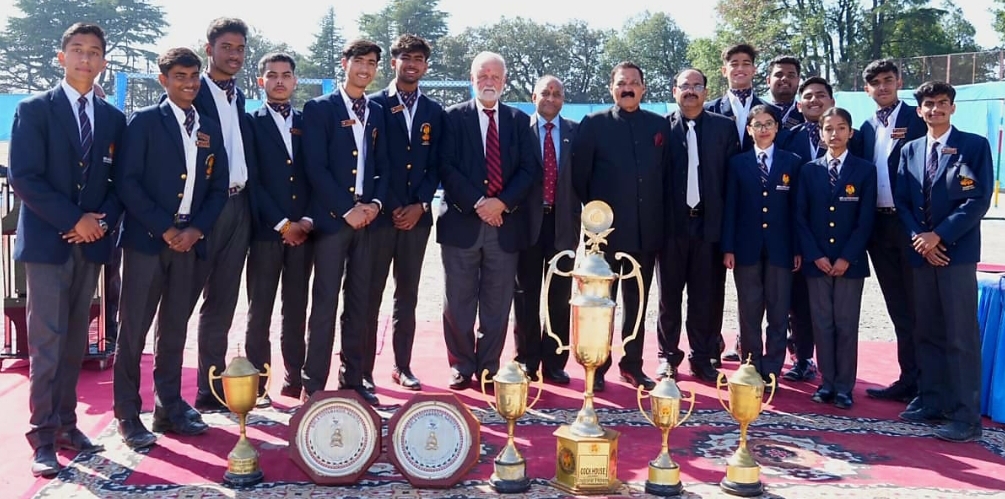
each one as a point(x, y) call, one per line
point(359, 107)
point(229, 86)
point(86, 135)
point(283, 108)
point(742, 94)
point(189, 120)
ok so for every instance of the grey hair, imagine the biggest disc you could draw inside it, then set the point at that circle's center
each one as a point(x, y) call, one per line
point(484, 57)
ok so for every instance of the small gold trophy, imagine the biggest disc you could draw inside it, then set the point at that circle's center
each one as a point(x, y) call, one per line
point(587, 460)
point(746, 392)
point(664, 474)
point(240, 389)
point(510, 473)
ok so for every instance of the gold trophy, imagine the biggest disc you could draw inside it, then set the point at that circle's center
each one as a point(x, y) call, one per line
point(510, 473)
point(587, 455)
point(746, 392)
point(664, 474)
point(240, 389)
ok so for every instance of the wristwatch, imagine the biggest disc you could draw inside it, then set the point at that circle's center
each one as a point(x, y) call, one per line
point(104, 225)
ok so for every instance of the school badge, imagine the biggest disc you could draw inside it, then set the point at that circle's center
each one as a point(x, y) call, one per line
point(849, 190)
point(426, 130)
point(210, 160)
point(785, 179)
point(966, 183)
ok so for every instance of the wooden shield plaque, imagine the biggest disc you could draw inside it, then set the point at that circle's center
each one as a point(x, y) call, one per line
point(435, 440)
point(335, 437)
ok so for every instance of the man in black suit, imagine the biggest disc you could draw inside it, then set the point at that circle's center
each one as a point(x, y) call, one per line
point(783, 80)
point(488, 168)
point(622, 156)
point(883, 135)
point(346, 161)
point(282, 249)
point(738, 67)
point(401, 232)
point(61, 160)
point(556, 228)
point(701, 144)
point(217, 277)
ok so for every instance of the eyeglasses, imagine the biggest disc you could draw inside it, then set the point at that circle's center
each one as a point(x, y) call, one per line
point(763, 126)
point(685, 87)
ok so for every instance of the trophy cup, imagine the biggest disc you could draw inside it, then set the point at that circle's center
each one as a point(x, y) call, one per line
point(510, 473)
point(587, 456)
point(664, 474)
point(240, 389)
point(746, 391)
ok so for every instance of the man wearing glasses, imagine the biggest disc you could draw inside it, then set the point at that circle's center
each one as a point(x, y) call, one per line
point(701, 144)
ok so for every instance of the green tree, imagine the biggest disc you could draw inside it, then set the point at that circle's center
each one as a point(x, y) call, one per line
point(29, 43)
point(703, 53)
point(398, 17)
point(325, 53)
point(657, 45)
point(586, 77)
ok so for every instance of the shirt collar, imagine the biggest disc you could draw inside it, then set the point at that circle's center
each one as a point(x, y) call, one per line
point(179, 114)
point(481, 107)
point(770, 151)
point(840, 158)
point(940, 139)
point(74, 95)
point(347, 99)
point(392, 90)
point(541, 121)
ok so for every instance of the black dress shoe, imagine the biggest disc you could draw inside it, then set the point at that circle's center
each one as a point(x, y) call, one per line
point(134, 434)
point(923, 415)
point(74, 439)
point(405, 378)
point(599, 384)
point(179, 426)
point(731, 356)
point(704, 372)
point(898, 391)
point(843, 401)
point(209, 405)
point(263, 402)
point(915, 404)
point(958, 431)
point(368, 383)
point(186, 411)
point(557, 376)
point(800, 371)
point(459, 381)
point(666, 370)
point(367, 395)
point(290, 390)
point(636, 378)
point(823, 396)
point(44, 463)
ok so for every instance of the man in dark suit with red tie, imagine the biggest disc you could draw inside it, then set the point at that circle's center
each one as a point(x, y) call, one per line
point(489, 165)
point(61, 159)
point(556, 227)
point(282, 249)
point(401, 232)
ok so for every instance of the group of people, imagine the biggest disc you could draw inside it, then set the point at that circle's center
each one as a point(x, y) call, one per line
point(785, 193)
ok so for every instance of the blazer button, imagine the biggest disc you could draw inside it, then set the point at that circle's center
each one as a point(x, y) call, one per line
point(355, 153)
point(353, 171)
point(409, 182)
point(294, 196)
point(291, 179)
point(832, 224)
point(832, 240)
point(408, 166)
point(78, 187)
point(764, 226)
point(184, 176)
point(408, 148)
point(352, 189)
point(180, 195)
point(765, 194)
point(81, 163)
point(289, 162)
point(765, 209)
point(832, 208)
point(486, 182)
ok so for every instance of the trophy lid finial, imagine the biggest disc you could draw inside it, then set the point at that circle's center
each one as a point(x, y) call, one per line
point(510, 373)
point(747, 374)
point(239, 367)
point(666, 389)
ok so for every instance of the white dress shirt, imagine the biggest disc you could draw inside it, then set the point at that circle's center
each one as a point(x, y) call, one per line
point(881, 154)
point(73, 95)
point(230, 125)
point(191, 152)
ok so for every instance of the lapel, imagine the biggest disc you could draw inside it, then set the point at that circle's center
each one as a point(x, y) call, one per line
point(677, 129)
point(471, 117)
point(778, 163)
point(903, 120)
point(298, 124)
point(505, 133)
point(63, 112)
point(537, 135)
point(953, 142)
point(916, 160)
point(204, 100)
point(100, 127)
point(171, 129)
point(844, 177)
point(264, 115)
point(399, 117)
point(564, 154)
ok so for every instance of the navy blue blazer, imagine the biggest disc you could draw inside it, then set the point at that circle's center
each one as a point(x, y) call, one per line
point(723, 106)
point(909, 126)
point(794, 118)
point(465, 179)
point(330, 154)
point(280, 186)
point(151, 178)
point(836, 223)
point(961, 194)
point(46, 173)
point(760, 217)
point(797, 141)
point(412, 159)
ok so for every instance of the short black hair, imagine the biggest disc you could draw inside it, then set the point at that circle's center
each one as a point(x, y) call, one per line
point(276, 57)
point(360, 47)
point(815, 80)
point(704, 79)
point(222, 25)
point(628, 65)
point(934, 89)
point(785, 59)
point(408, 43)
point(83, 29)
point(761, 109)
point(837, 111)
point(739, 48)
point(179, 56)
point(878, 67)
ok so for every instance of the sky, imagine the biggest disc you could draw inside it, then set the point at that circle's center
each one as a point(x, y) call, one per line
point(188, 18)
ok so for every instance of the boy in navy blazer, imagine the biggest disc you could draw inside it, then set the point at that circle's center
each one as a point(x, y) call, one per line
point(282, 249)
point(835, 208)
point(173, 183)
point(944, 188)
point(62, 153)
point(346, 162)
point(757, 241)
point(738, 67)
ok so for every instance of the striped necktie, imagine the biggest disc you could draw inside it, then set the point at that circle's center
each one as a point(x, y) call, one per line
point(493, 156)
point(762, 164)
point(931, 167)
point(833, 171)
point(86, 134)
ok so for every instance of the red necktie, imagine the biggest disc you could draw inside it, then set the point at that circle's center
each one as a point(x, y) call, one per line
point(550, 165)
point(493, 158)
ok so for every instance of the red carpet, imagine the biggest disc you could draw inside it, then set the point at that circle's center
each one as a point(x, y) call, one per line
point(805, 449)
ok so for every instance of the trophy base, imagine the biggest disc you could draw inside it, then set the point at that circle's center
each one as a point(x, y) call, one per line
point(587, 465)
point(243, 480)
point(741, 489)
point(509, 486)
point(663, 490)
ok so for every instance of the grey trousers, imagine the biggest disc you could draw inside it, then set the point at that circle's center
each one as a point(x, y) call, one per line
point(763, 288)
point(835, 307)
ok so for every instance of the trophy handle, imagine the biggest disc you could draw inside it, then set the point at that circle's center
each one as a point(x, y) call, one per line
point(636, 273)
point(212, 386)
point(540, 388)
point(689, 410)
point(268, 379)
point(553, 269)
point(485, 376)
point(774, 387)
point(644, 413)
point(719, 383)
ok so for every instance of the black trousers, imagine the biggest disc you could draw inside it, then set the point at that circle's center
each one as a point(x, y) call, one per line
point(889, 250)
point(534, 347)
